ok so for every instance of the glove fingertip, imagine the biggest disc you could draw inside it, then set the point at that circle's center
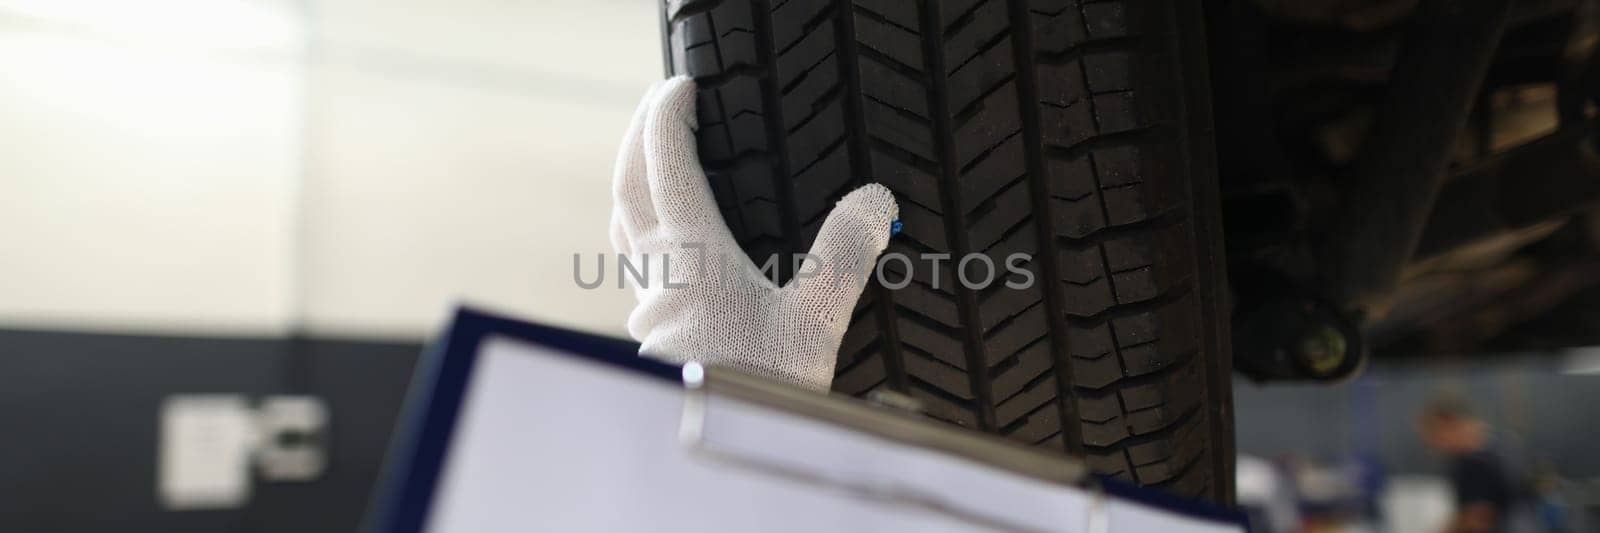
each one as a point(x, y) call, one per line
point(875, 203)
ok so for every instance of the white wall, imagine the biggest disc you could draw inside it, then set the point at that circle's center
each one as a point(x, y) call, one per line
point(463, 150)
point(146, 171)
point(218, 175)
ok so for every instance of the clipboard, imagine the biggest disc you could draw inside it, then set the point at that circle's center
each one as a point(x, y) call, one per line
point(752, 447)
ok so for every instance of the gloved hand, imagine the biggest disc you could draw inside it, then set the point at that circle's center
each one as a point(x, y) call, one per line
point(703, 299)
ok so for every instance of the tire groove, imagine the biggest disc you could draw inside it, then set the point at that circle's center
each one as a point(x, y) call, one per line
point(736, 160)
point(931, 323)
point(1141, 136)
point(987, 151)
point(909, 158)
point(801, 77)
point(773, 102)
point(954, 224)
point(941, 363)
point(987, 46)
point(986, 206)
point(1164, 219)
point(1003, 324)
point(1022, 419)
point(919, 384)
point(833, 146)
point(960, 22)
point(1180, 473)
point(971, 108)
point(856, 359)
point(886, 21)
point(727, 75)
point(1077, 51)
point(1165, 432)
point(1048, 270)
point(900, 110)
point(1131, 309)
point(1011, 231)
point(810, 25)
point(894, 65)
point(817, 108)
point(1154, 377)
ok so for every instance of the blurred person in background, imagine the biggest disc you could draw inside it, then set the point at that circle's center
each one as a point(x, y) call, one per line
point(1483, 492)
point(1552, 508)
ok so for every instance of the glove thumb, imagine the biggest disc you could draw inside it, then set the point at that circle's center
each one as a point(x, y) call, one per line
point(841, 260)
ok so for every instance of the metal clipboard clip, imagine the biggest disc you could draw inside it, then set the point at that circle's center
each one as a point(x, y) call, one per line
point(704, 383)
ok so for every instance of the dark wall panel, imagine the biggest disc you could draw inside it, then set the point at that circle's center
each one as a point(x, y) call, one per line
point(78, 423)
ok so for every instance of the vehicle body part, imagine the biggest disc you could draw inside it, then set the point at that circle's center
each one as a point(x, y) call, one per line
point(1298, 339)
point(1391, 185)
point(1358, 170)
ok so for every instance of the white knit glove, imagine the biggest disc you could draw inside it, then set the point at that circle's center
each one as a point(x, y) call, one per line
point(716, 308)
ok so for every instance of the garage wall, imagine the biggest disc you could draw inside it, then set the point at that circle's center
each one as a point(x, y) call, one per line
point(463, 150)
point(148, 168)
point(280, 196)
point(340, 167)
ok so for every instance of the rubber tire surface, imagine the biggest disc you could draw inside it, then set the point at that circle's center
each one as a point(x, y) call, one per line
point(1077, 132)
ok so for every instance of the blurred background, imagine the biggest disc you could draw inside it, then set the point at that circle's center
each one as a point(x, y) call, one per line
point(208, 204)
point(264, 197)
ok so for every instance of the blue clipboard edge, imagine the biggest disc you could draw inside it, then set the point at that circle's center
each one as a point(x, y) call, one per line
point(1123, 490)
point(404, 493)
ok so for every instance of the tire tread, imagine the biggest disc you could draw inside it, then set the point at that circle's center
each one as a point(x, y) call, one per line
point(1052, 127)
